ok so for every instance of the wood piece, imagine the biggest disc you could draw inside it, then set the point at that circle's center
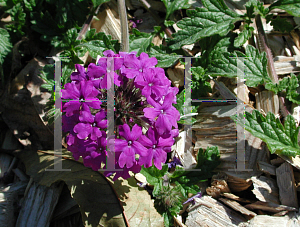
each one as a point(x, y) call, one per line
point(218, 187)
point(277, 161)
point(271, 207)
point(5, 161)
point(9, 197)
point(108, 22)
point(286, 65)
point(265, 189)
point(239, 181)
point(266, 168)
point(286, 185)
point(236, 198)
point(238, 207)
point(209, 212)
point(268, 221)
point(176, 75)
point(215, 128)
point(38, 206)
point(267, 101)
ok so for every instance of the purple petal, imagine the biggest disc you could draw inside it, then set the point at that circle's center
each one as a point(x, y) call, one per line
point(126, 160)
point(95, 71)
point(163, 124)
point(71, 106)
point(145, 141)
point(120, 144)
point(159, 157)
point(86, 117)
point(125, 131)
point(83, 130)
point(139, 148)
point(151, 113)
point(168, 101)
point(136, 132)
point(146, 160)
point(95, 133)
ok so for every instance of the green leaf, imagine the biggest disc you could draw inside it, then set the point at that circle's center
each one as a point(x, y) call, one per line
point(29, 4)
point(279, 139)
point(243, 36)
point(282, 25)
point(5, 45)
point(153, 174)
point(97, 3)
point(140, 41)
point(164, 60)
point(173, 5)
point(215, 43)
point(255, 66)
point(200, 83)
point(180, 98)
point(257, 6)
point(290, 6)
point(168, 23)
point(215, 18)
point(290, 84)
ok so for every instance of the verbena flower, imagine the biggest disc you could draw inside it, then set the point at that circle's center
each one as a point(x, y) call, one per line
point(143, 103)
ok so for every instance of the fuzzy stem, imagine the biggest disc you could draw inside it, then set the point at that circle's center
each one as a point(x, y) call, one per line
point(264, 47)
point(124, 26)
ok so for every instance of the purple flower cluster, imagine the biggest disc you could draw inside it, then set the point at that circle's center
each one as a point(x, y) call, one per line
point(145, 119)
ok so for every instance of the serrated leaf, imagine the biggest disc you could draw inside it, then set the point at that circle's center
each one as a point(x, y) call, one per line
point(243, 36)
point(5, 45)
point(164, 60)
point(140, 41)
point(279, 139)
point(215, 18)
point(153, 174)
point(255, 66)
point(258, 6)
point(173, 5)
point(282, 25)
point(290, 6)
point(290, 84)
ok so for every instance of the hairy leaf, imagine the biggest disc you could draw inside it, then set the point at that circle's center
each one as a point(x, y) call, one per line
point(282, 25)
point(164, 59)
point(173, 5)
point(215, 18)
point(153, 174)
point(279, 139)
point(243, 36)
point(290, 6)
point(254, 64)
point(5, 45)
point(289, 84)
point(140, 41)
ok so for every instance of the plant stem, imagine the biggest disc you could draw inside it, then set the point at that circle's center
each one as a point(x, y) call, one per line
point(264, 47)
point(124, 26)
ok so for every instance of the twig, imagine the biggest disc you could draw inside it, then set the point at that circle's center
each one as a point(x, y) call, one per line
point(87, 24)
point(263, 46)
point(124, 26)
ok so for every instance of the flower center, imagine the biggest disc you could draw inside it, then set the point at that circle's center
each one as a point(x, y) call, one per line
point(151, 84)
point(108, 70)
point(141, 70)
point(94, 124)
point(129, 142)
point(81, 100)
point(162, 111)
point(154, 146)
